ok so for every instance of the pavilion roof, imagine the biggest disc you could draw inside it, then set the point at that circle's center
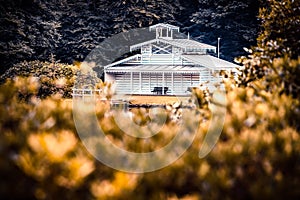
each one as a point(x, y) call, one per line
point(210, 62)
point(196, 60)
point(155, 68)
point(188, 43)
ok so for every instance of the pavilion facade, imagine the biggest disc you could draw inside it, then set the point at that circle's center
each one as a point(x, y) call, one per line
point(166, 65)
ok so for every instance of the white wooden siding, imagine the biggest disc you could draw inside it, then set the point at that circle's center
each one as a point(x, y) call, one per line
point(123, 83)
point(146, 89)
point(144, 83)
point(136, 82)
point(177, 83)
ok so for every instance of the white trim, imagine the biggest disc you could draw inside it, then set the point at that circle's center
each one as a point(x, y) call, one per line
point(123, 60)
point(161, 49)
point(139, 45)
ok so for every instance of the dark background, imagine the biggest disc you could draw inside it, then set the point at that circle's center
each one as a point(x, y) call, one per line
point(69, 30)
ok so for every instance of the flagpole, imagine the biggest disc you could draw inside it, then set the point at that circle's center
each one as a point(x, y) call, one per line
point(219, 47)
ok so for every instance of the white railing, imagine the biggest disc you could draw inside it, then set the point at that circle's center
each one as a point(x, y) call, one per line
point(82, 93)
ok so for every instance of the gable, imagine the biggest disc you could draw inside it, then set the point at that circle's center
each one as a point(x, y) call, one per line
point(186, 44)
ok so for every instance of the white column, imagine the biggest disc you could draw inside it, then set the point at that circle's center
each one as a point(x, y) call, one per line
point(172, 82)
point(163, 82)
point(181, 83)
point(140, 81)
point(150, 82)
point(131, 81)
point(199, 78)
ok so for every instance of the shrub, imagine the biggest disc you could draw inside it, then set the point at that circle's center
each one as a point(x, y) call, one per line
point(53, 77)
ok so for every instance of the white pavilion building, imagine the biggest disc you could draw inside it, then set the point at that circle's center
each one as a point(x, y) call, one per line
point(167, 66)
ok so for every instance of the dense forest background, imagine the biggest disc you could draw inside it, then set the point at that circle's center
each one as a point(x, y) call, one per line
point(69, 30)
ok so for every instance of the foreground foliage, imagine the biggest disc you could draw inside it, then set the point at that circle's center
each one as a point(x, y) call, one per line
point(257, 155)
